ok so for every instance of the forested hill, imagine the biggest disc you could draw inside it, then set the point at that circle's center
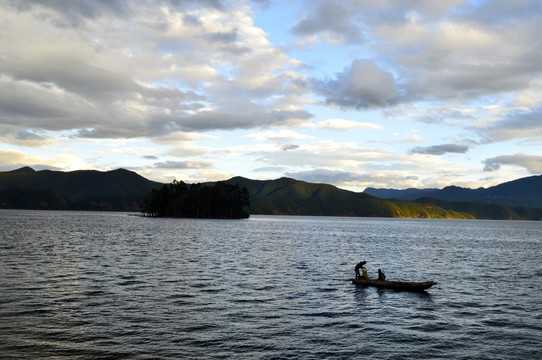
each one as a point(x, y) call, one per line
point(120, 190)
point(123, 190)
point(287, 196)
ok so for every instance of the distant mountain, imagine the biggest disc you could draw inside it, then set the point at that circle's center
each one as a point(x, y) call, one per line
point(120, 189)
point(410, 194)
point(123, 190)
point(524, 192)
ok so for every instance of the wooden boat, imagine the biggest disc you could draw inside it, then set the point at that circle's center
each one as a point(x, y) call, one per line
point(396, 285)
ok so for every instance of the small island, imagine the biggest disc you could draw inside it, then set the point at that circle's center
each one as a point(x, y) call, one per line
point(212, 201)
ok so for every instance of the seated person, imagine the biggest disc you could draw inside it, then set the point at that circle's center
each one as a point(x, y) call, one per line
point(381, 275)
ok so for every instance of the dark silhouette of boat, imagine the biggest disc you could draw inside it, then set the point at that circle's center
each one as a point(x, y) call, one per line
point(396, 285)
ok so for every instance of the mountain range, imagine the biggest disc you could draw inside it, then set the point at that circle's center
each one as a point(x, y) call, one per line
point(524, 192)
point(124, 190)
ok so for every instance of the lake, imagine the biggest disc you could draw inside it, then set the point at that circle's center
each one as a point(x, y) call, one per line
point(94, 285)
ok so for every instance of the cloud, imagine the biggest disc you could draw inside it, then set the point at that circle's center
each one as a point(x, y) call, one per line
point(322, 154)
point(360, 85)
point(440, 149)
point(183, 165)
point(329, 17)
point(289, 147)
point(326, 176)
point(73, 13)
point(533, 163)
point(514, 124)
point(76, 13)
point(501, 12)
point(103, 81)
point(14, 159)
point(462, 59)
point(356, 181)
point(342, 125)
point(224, 37)
point(281, 136)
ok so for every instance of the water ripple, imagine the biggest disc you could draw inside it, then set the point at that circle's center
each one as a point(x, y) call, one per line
point(96, 285)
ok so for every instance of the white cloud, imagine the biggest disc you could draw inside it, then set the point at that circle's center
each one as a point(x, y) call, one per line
point(278, 136)
point(341, 125)
point(12, 159)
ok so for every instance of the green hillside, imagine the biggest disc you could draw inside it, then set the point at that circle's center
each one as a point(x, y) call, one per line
point(119, 190)
point(287, 196)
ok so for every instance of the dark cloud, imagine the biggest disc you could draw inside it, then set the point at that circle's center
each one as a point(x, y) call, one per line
point(332, 17)
point(236, 50)
point(463, 81)
point(254, 117)
point(37, 106)
point(352, 21)
point(224, 37)
point(361, 85)
point(71, 73)
point(533, 163)
point(29, 136)
point(289, 147)
point(440, 149)
point(41, 106)
point(187, 4)
point(501, 12)
point(74, 13)
point(29, 105)
point(184, 165)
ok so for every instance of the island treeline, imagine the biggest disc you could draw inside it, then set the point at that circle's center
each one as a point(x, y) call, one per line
point(212, 201)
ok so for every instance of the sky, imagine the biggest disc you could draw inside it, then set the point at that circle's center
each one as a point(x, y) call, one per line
point(360, 93)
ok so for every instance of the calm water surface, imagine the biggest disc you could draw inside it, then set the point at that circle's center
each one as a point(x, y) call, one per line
point(85, 285)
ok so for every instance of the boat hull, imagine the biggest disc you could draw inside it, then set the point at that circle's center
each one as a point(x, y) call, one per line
point(396, 285)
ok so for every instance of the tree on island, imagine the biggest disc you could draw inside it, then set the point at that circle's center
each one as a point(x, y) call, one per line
point(211, 201)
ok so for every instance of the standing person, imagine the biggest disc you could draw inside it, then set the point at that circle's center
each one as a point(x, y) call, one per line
point(381, 275)
point(361, 266)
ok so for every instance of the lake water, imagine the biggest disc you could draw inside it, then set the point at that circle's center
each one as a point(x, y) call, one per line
point(84, 285)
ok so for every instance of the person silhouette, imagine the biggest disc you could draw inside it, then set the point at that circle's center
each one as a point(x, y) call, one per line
point(361, 266)
point(381, 275)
